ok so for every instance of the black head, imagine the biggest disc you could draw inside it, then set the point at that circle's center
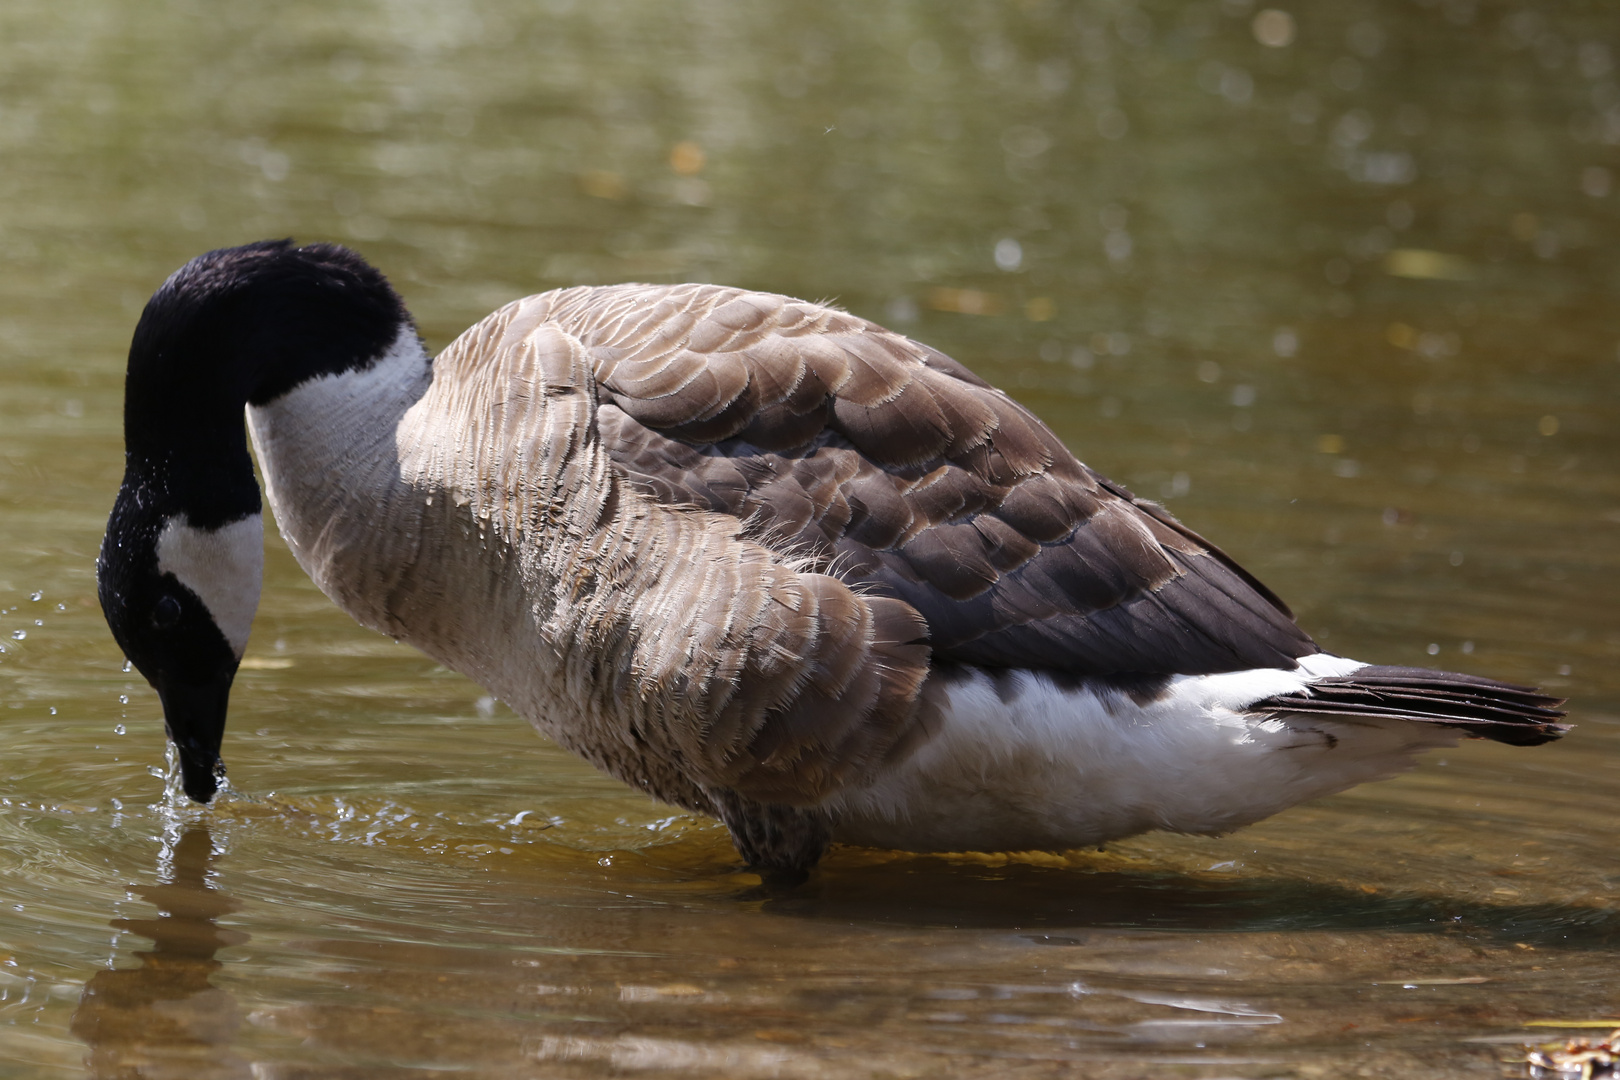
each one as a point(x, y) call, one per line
point(181, 563)
point(247, 324)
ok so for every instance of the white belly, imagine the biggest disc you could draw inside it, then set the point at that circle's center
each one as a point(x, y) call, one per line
point(1023, 763)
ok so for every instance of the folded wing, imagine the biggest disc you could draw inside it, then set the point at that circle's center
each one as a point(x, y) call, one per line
point(892, 467)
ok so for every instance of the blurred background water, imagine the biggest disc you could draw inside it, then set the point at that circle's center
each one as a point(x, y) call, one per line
point(1336, 281)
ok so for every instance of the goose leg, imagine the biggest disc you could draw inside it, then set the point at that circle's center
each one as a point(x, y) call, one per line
point(782, 843)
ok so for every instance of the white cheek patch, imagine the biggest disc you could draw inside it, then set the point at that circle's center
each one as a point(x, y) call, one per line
point(223, 566)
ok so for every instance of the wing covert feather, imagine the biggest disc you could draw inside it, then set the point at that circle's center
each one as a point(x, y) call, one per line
point(909, 477)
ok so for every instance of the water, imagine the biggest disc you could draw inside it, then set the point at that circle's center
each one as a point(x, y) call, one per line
point(1345, 302)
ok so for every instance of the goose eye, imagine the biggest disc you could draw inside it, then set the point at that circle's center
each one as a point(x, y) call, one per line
point(166, 613)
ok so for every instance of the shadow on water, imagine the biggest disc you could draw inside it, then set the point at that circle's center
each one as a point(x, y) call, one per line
point(165, 1018)
point(940, 893)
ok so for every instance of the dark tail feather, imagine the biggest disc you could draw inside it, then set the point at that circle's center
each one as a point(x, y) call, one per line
point(1517, 715)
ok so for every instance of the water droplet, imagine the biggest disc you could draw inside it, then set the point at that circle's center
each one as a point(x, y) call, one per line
point(39, 622)
point(123, 699)
point(19, 634)
point(153, 770)
point(1434, 649)
point(53, 710)
point(1467, 647)
point(128, 667)
point(1273, 28)
point(36, 596)
point(116, 804)
point(1009, 254)
point(118, 729)
point(61, 607)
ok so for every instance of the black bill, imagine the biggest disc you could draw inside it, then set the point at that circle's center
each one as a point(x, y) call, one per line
point(195, 719)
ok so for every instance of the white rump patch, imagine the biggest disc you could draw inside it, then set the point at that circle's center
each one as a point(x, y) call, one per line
point(1022, 762)
point(223, 566)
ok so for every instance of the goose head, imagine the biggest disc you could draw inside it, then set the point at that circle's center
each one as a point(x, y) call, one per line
point(183, 557)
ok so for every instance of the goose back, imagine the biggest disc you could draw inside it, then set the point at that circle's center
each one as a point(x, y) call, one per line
point(907, 476)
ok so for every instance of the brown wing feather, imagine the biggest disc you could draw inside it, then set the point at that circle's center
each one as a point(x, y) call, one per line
point(909, 476)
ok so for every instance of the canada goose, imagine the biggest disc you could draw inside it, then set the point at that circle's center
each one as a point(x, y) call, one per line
point(757, 557)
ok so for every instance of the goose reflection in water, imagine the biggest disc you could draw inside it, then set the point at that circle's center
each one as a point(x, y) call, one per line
point(165, 1018)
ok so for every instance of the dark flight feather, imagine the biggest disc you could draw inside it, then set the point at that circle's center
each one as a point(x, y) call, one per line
point(1504, 712)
